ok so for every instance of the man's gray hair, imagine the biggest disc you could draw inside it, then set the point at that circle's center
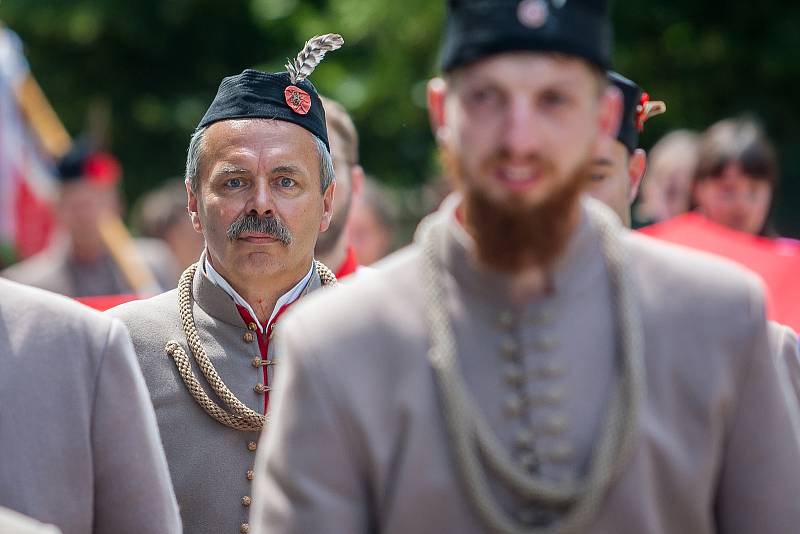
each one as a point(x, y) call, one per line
point(195, 153)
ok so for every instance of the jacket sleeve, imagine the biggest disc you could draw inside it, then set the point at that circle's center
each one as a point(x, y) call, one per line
point(760, 475)
point(133, 492)
point(306, 475)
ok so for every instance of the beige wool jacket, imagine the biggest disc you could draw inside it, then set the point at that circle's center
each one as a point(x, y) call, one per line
point(211, 464)
point(80, 447)
point(358, 442)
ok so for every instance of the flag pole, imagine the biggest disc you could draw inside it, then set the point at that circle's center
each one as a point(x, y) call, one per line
point(53, 136)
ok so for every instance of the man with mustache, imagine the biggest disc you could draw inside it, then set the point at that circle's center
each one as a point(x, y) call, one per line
point(529, 365)
point(260, 186)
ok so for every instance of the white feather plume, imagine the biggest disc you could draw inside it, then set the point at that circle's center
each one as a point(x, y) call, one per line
point(311, 55)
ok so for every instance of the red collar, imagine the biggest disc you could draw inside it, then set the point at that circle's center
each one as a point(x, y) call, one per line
point(350, 264)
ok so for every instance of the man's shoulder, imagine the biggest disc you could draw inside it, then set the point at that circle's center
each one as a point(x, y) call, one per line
point(372, 306)
point(146, 317)
point(674, 282)
point(22, 302)
point(365, 293)
point(666, 264)
point(151, 308)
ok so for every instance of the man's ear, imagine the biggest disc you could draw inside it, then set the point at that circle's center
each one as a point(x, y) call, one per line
point(191, 207)
point(327, 206)
point(637, 165)
point(437, 90)
point(611, 112)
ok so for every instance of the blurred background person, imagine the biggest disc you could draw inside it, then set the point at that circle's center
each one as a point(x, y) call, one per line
point(162, 214)
point(619, 165)
point(78, 262)
point(736, 176)
point(372, 224)
point(667, 187)
point(333, 246)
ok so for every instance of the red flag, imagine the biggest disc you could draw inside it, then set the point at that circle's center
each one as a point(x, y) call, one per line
point(27, 182)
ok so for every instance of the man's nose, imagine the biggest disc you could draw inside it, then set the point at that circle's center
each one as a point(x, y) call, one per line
point(260, 202)
point(522, 134)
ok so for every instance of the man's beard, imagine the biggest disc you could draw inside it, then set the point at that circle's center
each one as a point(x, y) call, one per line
point(327, 240)
point(511, 236)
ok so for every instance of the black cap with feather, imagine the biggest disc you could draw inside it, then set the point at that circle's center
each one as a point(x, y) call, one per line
point(286, 96)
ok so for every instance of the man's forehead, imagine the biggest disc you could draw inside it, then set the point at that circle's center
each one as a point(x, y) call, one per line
point(244, 135)
point(526, 68)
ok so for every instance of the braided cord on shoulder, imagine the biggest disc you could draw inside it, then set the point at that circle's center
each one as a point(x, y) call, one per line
point(242, 417)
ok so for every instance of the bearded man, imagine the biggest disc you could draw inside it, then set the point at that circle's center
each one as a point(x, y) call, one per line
point(260, 185)
point(529, 365)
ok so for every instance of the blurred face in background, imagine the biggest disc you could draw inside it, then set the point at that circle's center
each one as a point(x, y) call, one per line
point(348, 177)
point(615, 177)
point(82, 206)
point(734, 199)
point(518, 132)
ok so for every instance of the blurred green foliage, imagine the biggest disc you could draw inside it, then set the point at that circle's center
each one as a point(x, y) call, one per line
point(156, 64)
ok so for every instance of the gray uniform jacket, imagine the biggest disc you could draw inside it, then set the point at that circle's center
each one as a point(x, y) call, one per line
point(358, 442)
point(211, 464)
point(80, 447)
point(54, 270)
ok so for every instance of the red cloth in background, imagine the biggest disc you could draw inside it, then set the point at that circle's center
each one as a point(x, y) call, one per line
point(776, 261)
point(106, 302)
point(349, 266)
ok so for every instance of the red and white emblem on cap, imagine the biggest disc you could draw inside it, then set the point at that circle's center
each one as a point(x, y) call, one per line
point(297, 99)
point(533, 13)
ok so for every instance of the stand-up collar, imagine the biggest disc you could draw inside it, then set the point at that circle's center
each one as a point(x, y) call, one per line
point(216, 301)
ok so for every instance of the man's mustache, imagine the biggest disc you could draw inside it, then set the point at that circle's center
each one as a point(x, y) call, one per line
point(270, 226)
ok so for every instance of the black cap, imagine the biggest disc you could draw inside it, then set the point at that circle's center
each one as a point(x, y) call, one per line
point(637, 110)
point(632, 96)
point(261, 95)
point(82, 163)
point(478, 28)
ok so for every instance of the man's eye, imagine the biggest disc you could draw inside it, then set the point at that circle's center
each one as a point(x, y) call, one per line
point(597, 177)
point(552, 99)
point(286, 182)
point(484, 97)
point(234, 183)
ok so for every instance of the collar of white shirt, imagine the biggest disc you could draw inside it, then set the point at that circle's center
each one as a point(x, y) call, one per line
point(285, 299)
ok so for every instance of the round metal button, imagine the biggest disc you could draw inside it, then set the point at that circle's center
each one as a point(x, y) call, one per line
point(514, 406)
point(509, 348)
point(252, 446)
point(244, 528)
point(505, 320)
point(247, 501)
point(250, 474)
point(256, 362)
point(249, 337)
point(260, 388)
point(252, 326)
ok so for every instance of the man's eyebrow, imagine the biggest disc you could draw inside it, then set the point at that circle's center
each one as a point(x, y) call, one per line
point(229, 168)
point(603, 161)
point(286, 169)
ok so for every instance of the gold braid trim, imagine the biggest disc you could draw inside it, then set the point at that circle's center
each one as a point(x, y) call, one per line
point(242, 418)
